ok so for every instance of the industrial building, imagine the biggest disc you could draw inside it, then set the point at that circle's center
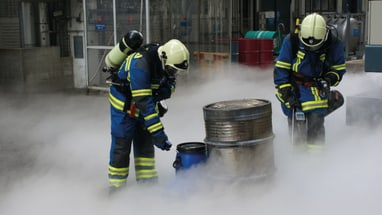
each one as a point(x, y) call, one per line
point(67, 40)
point(55, 134)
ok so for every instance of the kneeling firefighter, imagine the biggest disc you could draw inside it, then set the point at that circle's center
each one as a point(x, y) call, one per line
point(146, 77)
point(310, 62)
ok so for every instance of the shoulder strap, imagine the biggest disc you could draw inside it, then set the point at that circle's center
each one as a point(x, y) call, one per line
point(294, 41)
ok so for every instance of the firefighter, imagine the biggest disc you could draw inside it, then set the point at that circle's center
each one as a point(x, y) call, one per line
point(145, 78)
point(309, 63)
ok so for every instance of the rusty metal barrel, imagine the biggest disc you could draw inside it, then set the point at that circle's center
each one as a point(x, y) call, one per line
point(239, 138)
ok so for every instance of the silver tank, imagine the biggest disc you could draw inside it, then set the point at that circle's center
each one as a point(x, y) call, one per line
point(354, 38)
point(239, 139)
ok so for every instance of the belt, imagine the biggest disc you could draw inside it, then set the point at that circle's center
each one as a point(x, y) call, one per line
point(301, 79)
point(305, 83)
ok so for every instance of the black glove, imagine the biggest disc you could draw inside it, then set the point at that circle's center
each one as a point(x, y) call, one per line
point(332, 78)
point(323, 86)
point(287, 97)
point(162, 108)
point(161, 141)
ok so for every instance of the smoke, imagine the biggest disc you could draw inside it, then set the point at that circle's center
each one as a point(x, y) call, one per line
point(54, 154)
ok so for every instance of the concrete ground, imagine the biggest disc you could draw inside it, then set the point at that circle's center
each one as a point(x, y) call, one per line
point(54, 153)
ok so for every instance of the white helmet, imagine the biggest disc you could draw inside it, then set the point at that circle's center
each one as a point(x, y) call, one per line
point(313, 32)
point(174, 56)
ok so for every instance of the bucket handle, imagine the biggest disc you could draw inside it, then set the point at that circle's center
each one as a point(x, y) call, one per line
point(178, 162)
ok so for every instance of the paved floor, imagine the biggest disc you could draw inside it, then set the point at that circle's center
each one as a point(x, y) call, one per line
point(54, 153)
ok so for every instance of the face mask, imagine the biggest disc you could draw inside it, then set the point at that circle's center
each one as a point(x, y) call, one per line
point(170, 71)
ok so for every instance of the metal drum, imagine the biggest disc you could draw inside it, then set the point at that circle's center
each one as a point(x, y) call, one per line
point(249, 51)
point(239, 138)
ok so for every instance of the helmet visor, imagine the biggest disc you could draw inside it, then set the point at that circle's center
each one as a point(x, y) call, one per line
point(312, 44)
point(182, 66)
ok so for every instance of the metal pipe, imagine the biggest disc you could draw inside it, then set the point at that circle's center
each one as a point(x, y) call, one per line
point(348, 32)
point(115, 22)
point(104, 89)
point(147, 22)
point(85, 49)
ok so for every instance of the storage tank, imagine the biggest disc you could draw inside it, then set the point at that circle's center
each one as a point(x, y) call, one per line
point(354, 38)
point(266, 35)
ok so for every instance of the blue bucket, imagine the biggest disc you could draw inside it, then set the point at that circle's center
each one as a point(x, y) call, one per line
point(189, 154)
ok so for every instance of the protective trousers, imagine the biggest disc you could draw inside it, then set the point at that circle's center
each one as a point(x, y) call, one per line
point(314, 127)
point(127, 132)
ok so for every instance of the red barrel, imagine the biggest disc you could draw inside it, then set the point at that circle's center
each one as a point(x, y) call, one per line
point(266, 51)
point(249, 51)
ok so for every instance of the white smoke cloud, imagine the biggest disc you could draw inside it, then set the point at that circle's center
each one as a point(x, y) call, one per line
point(54, 153)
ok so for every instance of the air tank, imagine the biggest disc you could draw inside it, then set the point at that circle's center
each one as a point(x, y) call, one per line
point(131, 41)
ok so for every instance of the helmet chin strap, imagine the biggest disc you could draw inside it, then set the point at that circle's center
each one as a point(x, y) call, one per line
point(163, 58)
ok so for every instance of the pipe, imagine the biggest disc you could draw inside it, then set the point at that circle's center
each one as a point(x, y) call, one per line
point(147, 22)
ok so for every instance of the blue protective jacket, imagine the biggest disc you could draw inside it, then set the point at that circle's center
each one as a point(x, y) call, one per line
point(145, 85)
point(298, 68)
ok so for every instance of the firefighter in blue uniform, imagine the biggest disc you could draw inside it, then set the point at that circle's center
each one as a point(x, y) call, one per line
point(309, 63)
point(146, 77)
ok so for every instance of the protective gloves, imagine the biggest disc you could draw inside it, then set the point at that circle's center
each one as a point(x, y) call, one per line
point(161, 141)
point(323, 86)
point(286, 96)
point(162, 108)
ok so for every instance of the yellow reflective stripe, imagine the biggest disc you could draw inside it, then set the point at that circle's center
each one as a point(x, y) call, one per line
point(337, 76)
point(323, 57)
point(311, 146)
point(117, 182)
point(283, 65)
point(128, 62)
point(138, 55)
point(116, 103)
point(279, 97)
point(310, 105)
point(338, 67)
point(144, 161)
point(142, 92)
point(146, 174)
point(155, 86)
point(278, 94)
point(145, 168)
point(118, 171)
point(155, 127)
point(300, 56)
point(151, 116)
point(334, 73)
point(284, 85)
point(314, 92)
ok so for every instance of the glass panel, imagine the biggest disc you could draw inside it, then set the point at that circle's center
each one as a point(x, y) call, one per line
point(95, 64)
point(130, 16)
point(202, 25)
point(100, 22)
point(160, 20)
point(214, 26)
